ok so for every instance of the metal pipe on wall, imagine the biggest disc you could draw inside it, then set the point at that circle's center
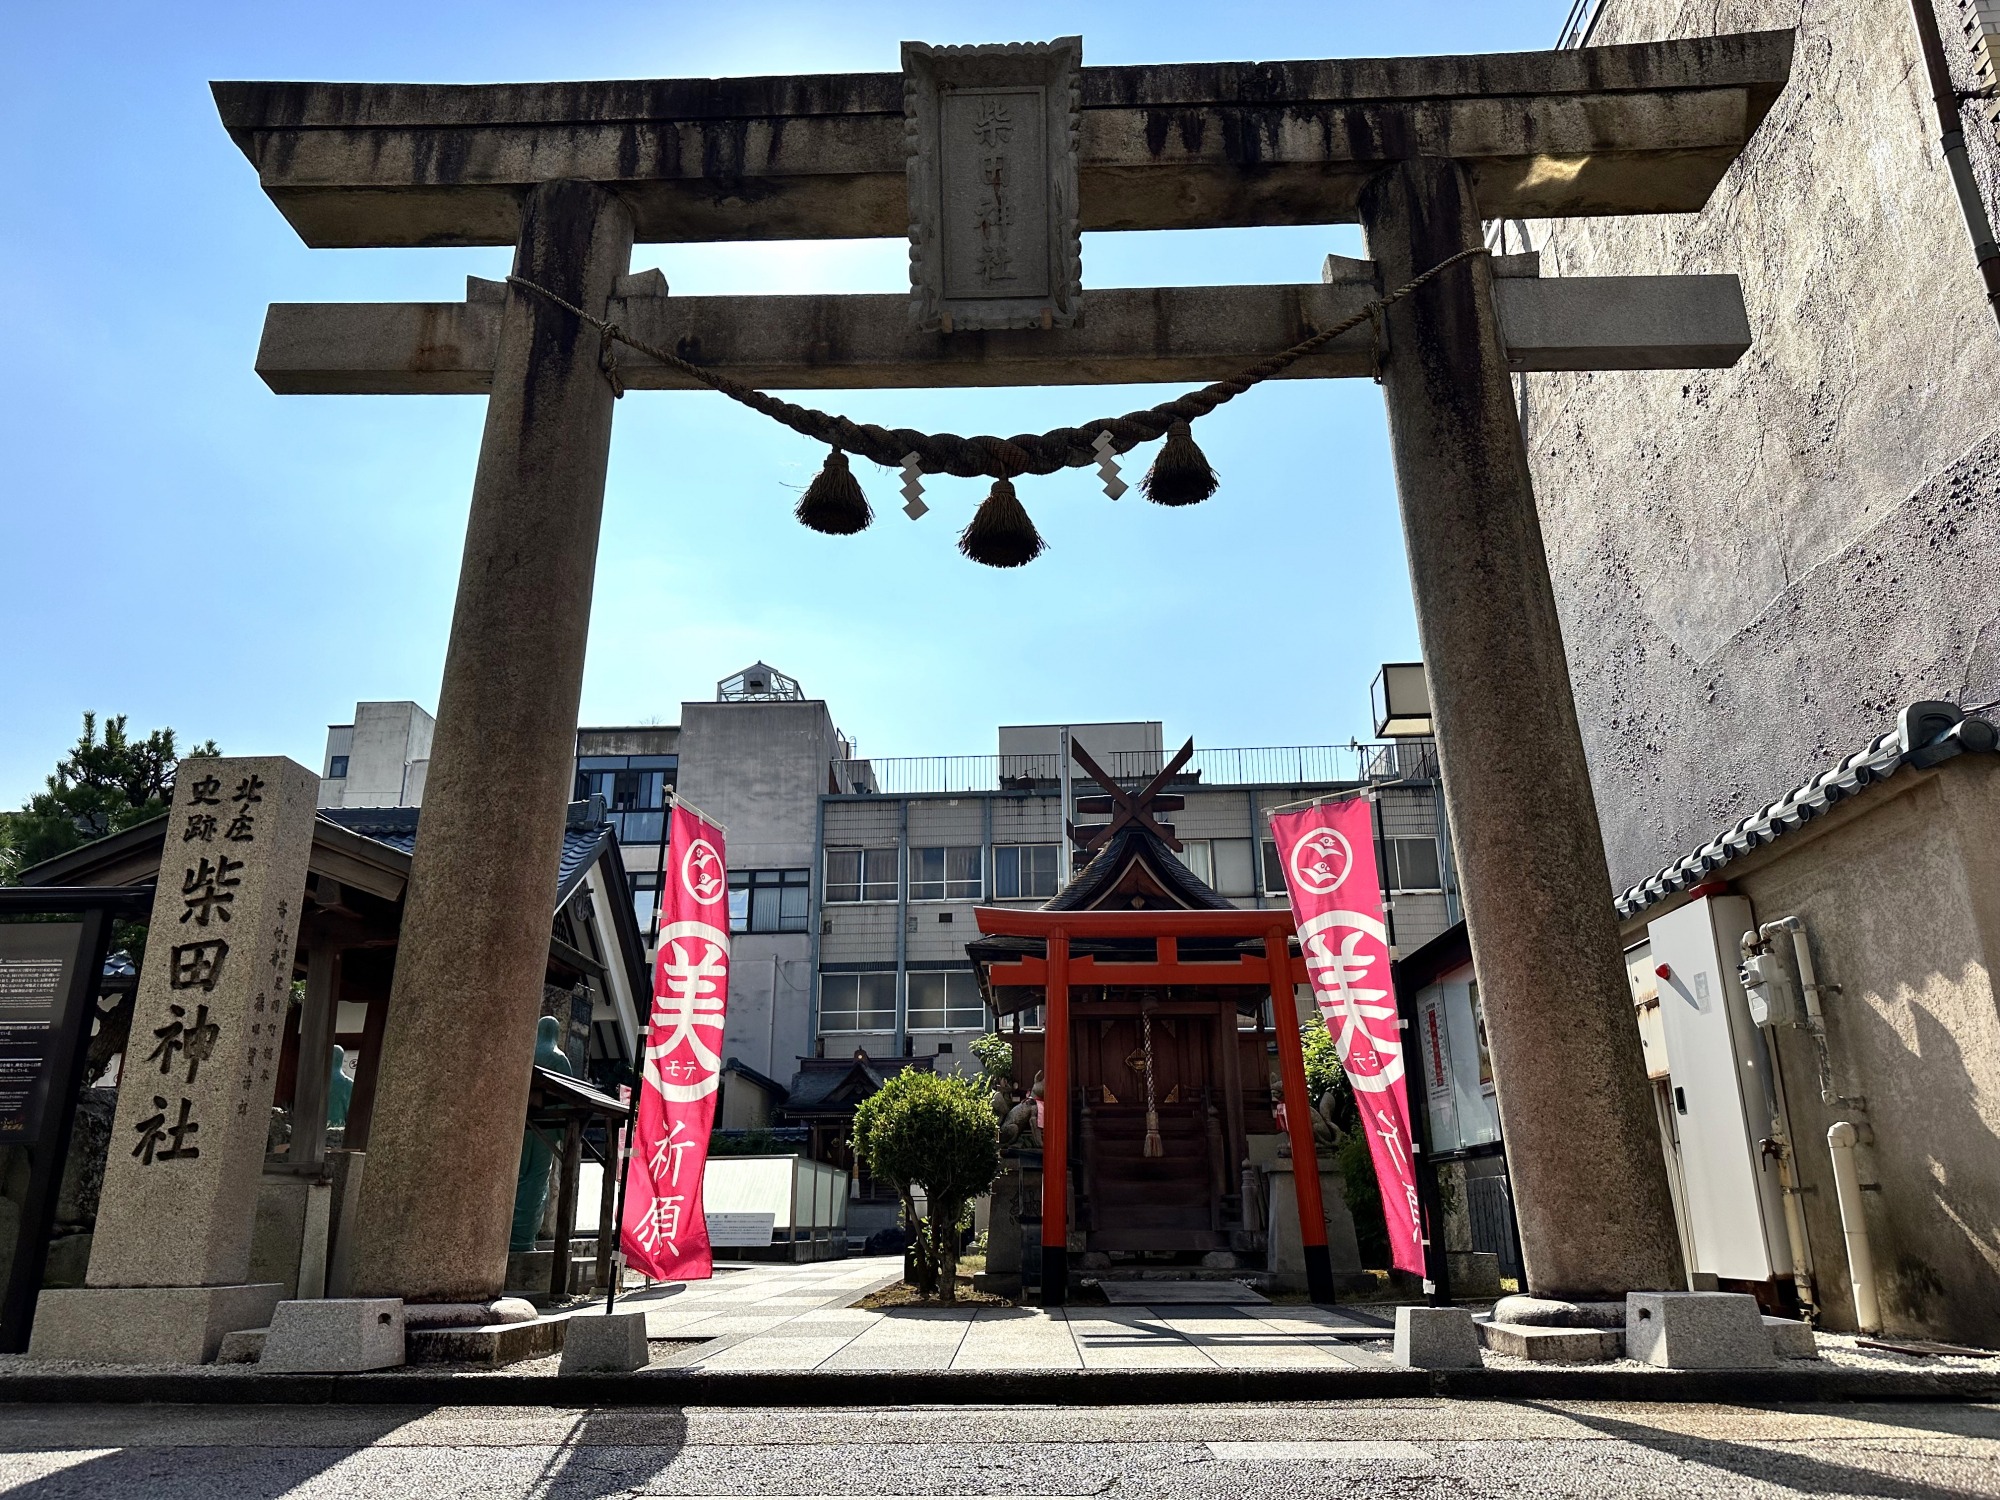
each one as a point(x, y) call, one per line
point(1841, 1139)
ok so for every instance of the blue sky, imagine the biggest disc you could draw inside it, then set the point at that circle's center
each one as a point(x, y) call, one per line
point(180, 545)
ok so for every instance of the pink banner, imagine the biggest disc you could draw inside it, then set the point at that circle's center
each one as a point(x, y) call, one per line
point(665, 1232)
point(1336, 895)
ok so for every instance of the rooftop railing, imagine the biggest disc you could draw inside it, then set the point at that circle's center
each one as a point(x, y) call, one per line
point(1265, 765)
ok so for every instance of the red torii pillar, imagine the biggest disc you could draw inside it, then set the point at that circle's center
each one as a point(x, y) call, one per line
point(1055, 1124)
point(1298, 1118)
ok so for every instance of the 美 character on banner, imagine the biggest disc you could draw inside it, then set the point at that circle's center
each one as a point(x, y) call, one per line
point(664, 1230)
point(1336, 899)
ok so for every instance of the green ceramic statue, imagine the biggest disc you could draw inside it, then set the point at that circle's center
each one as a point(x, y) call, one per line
point(531, 1186)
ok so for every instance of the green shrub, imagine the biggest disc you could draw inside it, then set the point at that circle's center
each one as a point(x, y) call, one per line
point(920, 1130)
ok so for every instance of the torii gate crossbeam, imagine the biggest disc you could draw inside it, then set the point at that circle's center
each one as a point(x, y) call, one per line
point(1418, 150)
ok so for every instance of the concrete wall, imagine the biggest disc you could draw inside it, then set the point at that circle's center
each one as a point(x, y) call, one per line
point(1756, 566)
point(759, 770)
point(1100, 740)
point(388, 750)
point(1900, 892)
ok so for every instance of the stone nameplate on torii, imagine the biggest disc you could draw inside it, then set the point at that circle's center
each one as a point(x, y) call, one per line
point(995, 241)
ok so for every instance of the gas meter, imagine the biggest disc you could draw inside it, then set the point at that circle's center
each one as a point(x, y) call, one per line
point(1768, 989)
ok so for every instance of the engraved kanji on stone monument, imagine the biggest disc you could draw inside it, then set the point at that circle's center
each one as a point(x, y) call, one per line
point(992, 138)
point(171, 1258)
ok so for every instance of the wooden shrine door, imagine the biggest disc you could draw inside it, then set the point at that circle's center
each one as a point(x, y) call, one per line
point(1128, 1201)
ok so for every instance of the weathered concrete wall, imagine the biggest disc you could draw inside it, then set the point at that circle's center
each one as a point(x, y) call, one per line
point(1914, 1030)
point(1755, 567)
point(758, 769)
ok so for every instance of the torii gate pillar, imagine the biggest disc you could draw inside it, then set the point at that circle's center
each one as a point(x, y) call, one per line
point(475, 933)
point(1595, 1212)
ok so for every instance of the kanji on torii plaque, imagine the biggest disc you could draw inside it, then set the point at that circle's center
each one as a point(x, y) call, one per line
point(1420, 151)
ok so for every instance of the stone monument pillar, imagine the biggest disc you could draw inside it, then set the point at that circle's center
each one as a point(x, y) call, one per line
point(1582, 1144)
point(170, 1261)
point(445, 1141)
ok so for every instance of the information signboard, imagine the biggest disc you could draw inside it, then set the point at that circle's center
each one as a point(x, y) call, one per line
point(37, 967)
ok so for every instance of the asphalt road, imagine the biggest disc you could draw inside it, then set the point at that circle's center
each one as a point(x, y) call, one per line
point(1432, 1448)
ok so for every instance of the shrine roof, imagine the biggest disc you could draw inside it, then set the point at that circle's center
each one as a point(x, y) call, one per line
point(586, 834)
point(1092, 886)
point(834, 1085)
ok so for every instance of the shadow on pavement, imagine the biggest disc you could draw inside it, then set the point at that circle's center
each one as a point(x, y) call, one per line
point(1772, 1463)
point(197, 1452)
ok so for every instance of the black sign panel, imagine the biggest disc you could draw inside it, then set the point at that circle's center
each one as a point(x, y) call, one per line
point(37, 970)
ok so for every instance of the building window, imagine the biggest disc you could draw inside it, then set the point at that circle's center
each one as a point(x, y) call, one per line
point(1412, 864)
point(946, 1001)
point(860, 875)
point(1197, 856)
point(634, 789)
point(645, 896)
point(768, 900)
point(1274, 870)
point(857, 1002)
point(1024, 871)
point(1405, 865)
point(336, 768)
point(1221, 864)
point(946, 874)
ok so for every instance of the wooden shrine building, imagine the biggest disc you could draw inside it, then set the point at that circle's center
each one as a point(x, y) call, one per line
point(1151, 1084)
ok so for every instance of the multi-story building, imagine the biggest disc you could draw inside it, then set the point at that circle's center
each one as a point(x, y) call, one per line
point(908, 847)
point(755, 761)
point(379, 760)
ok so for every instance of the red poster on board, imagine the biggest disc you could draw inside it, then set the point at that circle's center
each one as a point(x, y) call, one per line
point(1336, 897)
point(665, 1231)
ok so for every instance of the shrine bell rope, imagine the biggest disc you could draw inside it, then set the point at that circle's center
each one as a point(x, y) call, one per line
point(1001, 533)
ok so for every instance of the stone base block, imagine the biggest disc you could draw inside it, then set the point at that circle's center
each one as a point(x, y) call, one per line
point(605, 1341)
point(1436, 1338)
point(1475, 1274)
point(468, 1314)
point(1697, 1331)
point(1791, 1339)
point(494, 1345)
point(1555, 1312)
point(1554, 1346)
point(336, 1334)
point(146, 1325)
point(243, 1347)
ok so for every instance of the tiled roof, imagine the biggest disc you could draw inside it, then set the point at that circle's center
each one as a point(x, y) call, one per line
point(1132, 842)
point(585, 832)
point(819, 1079)
point(1925, 734)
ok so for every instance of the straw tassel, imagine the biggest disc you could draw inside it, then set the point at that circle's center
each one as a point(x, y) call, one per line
point(1154, 1145)
point(1180, 474)
point(833, 503)
point(1002, 535)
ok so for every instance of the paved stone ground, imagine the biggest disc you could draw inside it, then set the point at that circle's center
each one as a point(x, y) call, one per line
point(1390, 1448)
point(800, 1318)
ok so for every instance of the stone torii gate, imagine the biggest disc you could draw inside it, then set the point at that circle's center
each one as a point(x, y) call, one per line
point(1419, 150)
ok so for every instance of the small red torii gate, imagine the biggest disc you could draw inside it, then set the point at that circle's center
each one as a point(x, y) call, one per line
point(1278, 968)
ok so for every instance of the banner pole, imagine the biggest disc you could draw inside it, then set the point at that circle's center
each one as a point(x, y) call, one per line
point(1437, 1270)
point(625, 1160)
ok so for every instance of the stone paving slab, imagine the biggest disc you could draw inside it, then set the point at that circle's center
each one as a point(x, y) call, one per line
point(1240, 1341)
point(1024, 1338)
point(1162, 1293)
point(1119, 1338)
point(922, 1341)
